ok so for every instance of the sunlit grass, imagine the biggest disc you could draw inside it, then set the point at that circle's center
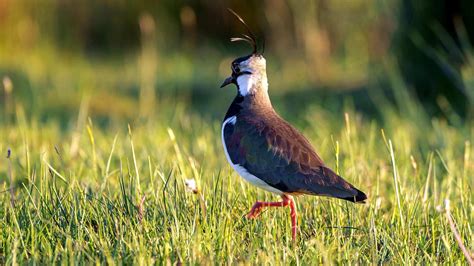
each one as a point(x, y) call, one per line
point(83, 204)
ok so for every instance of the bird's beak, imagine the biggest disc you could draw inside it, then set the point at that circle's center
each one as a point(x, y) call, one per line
point(228, 81)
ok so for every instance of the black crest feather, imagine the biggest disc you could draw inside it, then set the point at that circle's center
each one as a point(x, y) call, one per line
point(249, 38)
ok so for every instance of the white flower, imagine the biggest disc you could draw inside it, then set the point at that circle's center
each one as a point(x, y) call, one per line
point(191, 185)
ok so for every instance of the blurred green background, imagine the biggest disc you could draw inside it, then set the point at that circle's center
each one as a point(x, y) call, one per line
point(130, 59)
point(108, 107)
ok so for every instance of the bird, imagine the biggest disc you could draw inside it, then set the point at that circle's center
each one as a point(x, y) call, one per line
point(266, 150)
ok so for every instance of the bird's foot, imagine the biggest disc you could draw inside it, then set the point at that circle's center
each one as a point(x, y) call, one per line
point(257, 208)
point(255, 211)
point(259, 205)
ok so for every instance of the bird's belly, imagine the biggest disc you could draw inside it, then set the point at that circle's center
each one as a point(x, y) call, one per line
point(241, 170)
point(254, 180)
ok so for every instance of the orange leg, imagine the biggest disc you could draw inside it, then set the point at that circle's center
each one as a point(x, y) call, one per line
point(287, 200)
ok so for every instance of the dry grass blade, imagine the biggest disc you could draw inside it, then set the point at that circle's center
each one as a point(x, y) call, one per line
point(10, 177)
point(458, 238)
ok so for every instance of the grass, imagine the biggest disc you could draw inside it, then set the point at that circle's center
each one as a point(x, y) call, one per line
point(88, 180)
point(82, 202)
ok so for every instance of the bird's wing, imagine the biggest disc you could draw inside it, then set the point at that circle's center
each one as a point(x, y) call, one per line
point(283, 158)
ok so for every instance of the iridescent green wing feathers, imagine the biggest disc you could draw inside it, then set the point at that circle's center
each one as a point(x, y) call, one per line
point(276, 153)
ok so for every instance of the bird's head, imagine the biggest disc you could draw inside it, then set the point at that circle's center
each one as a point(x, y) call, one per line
point(249, 72)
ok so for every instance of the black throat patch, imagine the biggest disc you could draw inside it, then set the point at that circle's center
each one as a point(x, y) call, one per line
point(235, 107)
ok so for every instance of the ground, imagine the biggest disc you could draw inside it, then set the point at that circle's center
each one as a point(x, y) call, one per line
point(115, 191)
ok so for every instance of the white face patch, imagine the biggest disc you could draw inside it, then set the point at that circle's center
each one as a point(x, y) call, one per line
point(245, 83)
point(257, 79)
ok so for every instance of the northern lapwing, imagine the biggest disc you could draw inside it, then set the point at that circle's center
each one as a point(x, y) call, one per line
point(265, 149)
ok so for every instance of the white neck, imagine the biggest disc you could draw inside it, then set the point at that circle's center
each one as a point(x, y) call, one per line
point(249, 83)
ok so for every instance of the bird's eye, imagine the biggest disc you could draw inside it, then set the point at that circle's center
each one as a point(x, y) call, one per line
point(236, 68)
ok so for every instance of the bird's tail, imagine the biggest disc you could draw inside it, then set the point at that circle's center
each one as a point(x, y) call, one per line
point(359, 197)
point(331, 184)
point(340, 188)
